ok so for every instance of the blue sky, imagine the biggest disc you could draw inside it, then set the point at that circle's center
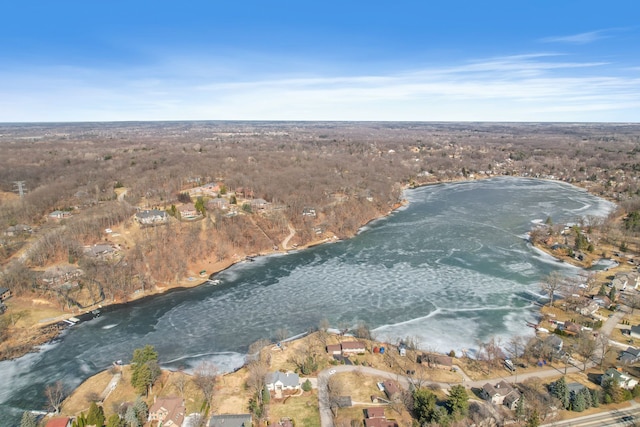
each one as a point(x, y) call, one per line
point(333, 60)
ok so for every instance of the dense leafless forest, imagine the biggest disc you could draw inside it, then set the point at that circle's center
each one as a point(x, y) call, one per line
point(272, 180)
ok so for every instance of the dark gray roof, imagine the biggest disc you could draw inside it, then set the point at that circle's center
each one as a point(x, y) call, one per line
point(151, 213)
point(235, 420)
point(575, 387)
point(288, 379)
point(3, 290)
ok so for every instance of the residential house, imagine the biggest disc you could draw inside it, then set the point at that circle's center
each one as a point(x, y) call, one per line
point(588, 308)
point(211, 189)
point(5, 293)
point(244, 192)
point(376, 412)
point(334, 349)
point(347, 348)
point(623, 379)
point(283, 381)
point(379, 422)
point(151, 217)
point(188, 211)
point(635, 331)
point(310, 212)
point(391, 389)
point(502, 393)
point(231, 420)
point(602, 301)
point(571, 328)
point(99, 250)
point(16, 230)
point(168, 411)
point(218, 203)
point(60, 274)
point(630, 356)
point(259, 204)
point(59, 422)
point(353, 347)
point(574, 389)
point(57, 215)
point(374, 417)
point(439, 361)
point(622, 281)
point(555, 342)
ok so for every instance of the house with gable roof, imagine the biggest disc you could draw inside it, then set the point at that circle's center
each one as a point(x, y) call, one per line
point(283, 381)
point(630, 356)
point(168, 411)
point(151, 217)
point(502, 393)
point(623, 379)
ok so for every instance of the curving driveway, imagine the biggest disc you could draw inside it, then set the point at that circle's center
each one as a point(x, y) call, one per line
point(326, 417)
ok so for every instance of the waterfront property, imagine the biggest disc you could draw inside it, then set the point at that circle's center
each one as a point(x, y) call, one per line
point(279, 381)
point(167, 411)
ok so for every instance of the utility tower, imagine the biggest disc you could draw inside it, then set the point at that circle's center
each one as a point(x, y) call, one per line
point(19, 187)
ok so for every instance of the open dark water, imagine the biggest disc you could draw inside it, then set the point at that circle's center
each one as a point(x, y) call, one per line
point(451, 268)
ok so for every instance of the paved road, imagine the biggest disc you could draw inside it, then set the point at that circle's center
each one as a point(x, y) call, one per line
point(616, 417)
point(326, 417)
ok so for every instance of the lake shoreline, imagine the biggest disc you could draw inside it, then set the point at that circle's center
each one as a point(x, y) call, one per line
point(212, 268)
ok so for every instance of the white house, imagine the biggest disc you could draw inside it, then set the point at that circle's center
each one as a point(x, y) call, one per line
point(283, 381)
point(501, 393)
point(151, 217)
point(623, 379)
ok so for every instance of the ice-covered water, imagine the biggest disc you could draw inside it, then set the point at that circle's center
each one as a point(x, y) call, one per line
point(450, 269)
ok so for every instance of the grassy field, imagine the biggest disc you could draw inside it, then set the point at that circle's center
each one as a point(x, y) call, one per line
point(303, 410)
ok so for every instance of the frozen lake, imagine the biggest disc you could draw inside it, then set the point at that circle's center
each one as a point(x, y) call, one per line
point(452, 268)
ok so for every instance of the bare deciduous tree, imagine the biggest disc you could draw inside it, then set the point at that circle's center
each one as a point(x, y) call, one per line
point(55, 395)
point(551, 284)
point(205, 378)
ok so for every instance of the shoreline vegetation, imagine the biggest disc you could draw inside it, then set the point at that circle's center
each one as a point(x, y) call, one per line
point(325, 182)
point(47, 331)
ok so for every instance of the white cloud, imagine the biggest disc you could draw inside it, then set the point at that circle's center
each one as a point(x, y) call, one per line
point(535, 87)
point(581, 38)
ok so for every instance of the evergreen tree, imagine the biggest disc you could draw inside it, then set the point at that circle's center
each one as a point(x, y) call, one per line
point(560, 391)
point(142, 379)
point(424, 404)
point(612, 294)
point(587, 397)
point(145, 368)
point(141, 409)
point(578, 403)
point(441, 417)
point(534, 419)
point(115, 421)
point(80, 421)
point(520, 408)
point(28, 420)
point(266, 396)
point(131, 417)
point(458, 401)
point(199, 205)
point(95, 416)
point(595, 397)
point(603, 290)
point(612, 393)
